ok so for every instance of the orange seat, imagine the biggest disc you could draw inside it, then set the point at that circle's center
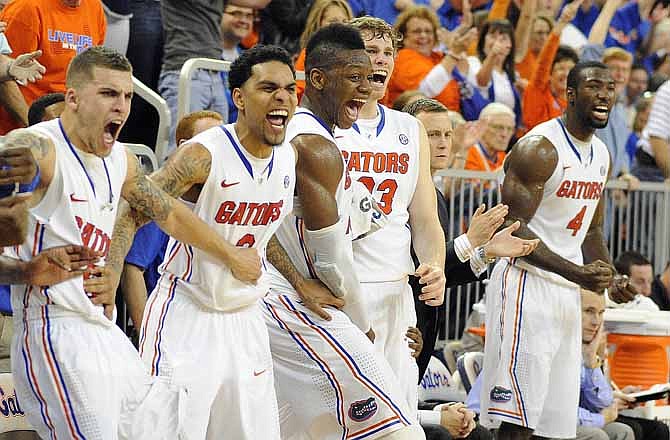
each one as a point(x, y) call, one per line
point(638, 360)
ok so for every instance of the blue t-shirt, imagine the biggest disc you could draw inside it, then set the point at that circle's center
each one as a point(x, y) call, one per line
point(584, 20)
point(147, 252)
point(627, 28)
point(450, 18)
point(5, 299)
point(385, 9)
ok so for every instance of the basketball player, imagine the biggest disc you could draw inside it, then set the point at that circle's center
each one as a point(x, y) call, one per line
point(243, 177)
point(75, 372)
point(331, 382)
point(389, 152)
point(554, 180)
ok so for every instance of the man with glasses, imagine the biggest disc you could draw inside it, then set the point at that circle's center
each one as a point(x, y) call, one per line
point(488, 154)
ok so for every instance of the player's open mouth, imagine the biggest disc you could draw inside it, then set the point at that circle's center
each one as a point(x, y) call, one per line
point(277, 119)
point(111, 131)
point(353, 108)
point(379, 77)
point(600, 112)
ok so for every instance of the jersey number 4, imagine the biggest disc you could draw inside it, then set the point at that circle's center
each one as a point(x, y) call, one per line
point(387, 187)
point(576, 223)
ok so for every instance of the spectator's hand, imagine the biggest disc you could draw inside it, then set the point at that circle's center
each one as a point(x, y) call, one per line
point(466, 135)
point(484, 224)
point(453, 420)
point(659, 13)
point(610, 413)
point(401, 5)
point(623, 400)
point(632, 181)
point(58, 264)
point(245, 265)
point(521, 84)
point(433, 278)
point(415, 341)
point(466, 18)
point(468, 421)
point(620, 290)
point(569, 12)
point(17, 164)
point(596, 276)
point(504, 244)
point(315, 296)
point(590, 350)
point(25, 68)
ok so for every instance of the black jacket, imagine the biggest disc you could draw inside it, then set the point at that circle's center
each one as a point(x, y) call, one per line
point(456, 272)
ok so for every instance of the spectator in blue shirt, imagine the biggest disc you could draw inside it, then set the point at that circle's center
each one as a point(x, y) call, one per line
point(141, 270)
point(632, 23)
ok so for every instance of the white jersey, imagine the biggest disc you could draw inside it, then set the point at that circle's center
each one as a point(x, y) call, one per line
point(245, 200)
point(79, 207)
point(571, 195)
point(383, 154)
point(291, 232)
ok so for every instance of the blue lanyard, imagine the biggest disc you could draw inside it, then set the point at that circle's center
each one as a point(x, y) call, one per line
point(574, 149)
point(90, 181)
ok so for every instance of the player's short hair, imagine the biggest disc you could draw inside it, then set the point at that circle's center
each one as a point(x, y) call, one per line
point(575, 75)
point(325, 47)
point(186, 125)
point(425, 105)
point(240, 69)
point(565, 53)
point(81, 67)
point(617, 53)
point(378, 28)
point(38, 107)
point(496, 108)
point(630, 258)
point(406, 97)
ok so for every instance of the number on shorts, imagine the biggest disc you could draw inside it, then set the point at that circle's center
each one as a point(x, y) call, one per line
point(247, 240)
point(388, 188)
point(576, 223)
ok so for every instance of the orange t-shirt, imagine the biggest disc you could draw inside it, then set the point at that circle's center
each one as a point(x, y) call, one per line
point(300, 67)
point(539, 103)
point(527, 65)
point(59, 32)
point(411, 68)
point(477, 159)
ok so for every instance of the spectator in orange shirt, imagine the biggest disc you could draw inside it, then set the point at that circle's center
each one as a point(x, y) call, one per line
point(489, 153)
point(542, 26)
point(323, 13)
point(544, 97)
point(419, 66)
point(60, 29)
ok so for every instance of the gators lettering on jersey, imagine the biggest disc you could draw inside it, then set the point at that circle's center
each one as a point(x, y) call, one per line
point(79, 207)
point(571, 195)
point(383, 154)
point(245, 200)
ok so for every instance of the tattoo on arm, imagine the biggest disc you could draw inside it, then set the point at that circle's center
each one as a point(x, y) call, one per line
point(145, 197)
point(122, 237)
point(278, 257)
point(190, 165)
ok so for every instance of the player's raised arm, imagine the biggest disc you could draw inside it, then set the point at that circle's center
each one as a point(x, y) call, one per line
point(527, 169)
point(149, 200)
point(427, 234)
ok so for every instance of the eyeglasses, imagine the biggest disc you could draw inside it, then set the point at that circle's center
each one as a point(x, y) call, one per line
point(428, 31)
point(239, 15)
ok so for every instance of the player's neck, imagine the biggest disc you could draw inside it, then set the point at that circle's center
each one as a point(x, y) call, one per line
point(577, 128)
point(256, 147)
point(369, 110)
point(316, 107)
point(69, 123)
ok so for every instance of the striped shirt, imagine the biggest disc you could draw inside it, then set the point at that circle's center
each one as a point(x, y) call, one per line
point(658, 119)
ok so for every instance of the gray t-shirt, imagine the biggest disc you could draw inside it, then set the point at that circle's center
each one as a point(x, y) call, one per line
point(192, 29)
